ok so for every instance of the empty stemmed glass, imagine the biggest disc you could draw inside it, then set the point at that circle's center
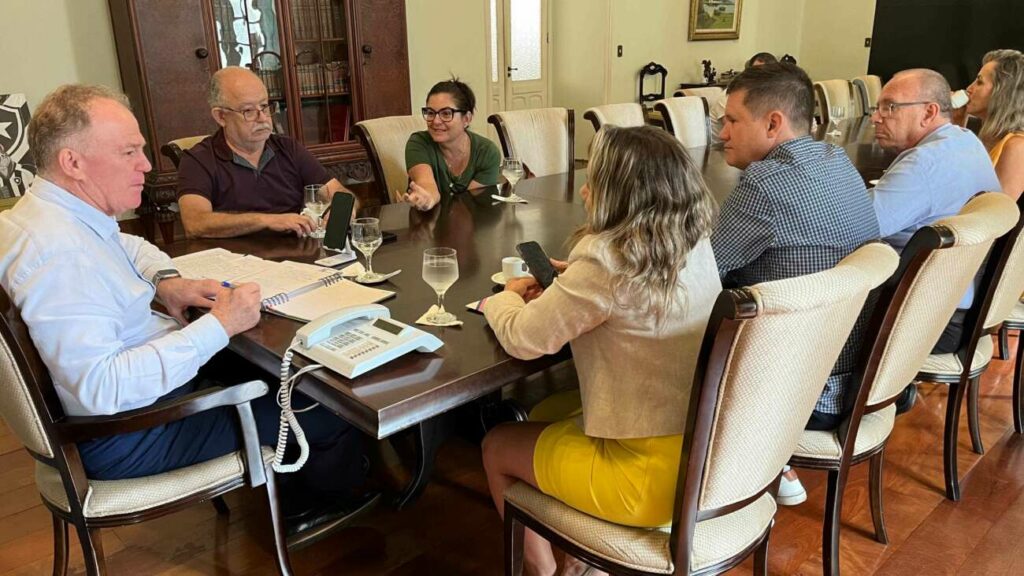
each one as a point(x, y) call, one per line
point(440, 271)
point(316, 205)
point(512, 170)
point(366, 237)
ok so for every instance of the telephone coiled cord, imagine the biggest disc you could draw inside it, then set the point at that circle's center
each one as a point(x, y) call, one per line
point(288, 418)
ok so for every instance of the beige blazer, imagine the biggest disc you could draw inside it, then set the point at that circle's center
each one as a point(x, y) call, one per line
point(635, 377)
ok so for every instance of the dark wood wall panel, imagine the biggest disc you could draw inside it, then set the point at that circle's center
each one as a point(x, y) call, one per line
point(385, 70)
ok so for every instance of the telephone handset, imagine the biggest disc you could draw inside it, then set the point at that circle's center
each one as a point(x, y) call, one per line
point(350, 341)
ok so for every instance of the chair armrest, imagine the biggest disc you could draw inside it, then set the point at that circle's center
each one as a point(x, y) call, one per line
point(72, 429)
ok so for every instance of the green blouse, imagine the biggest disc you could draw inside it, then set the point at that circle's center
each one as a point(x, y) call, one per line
point(484, 161)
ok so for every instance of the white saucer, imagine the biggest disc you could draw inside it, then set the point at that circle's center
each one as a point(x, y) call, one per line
point(498, 278)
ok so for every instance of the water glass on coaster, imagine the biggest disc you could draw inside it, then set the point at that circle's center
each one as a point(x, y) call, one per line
point(367, 238)
point(440, 271)
point(512, 170)
point(316, 205)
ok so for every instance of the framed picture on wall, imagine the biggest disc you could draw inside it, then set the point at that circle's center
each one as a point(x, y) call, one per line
point(715, 19)
point(17, 168)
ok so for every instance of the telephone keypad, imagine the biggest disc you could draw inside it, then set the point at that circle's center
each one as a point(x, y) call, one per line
point(353, 344)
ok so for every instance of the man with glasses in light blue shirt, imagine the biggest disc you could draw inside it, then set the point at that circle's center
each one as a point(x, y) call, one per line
point(939, 167)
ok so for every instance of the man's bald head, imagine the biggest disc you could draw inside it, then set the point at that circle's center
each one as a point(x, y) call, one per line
point(928, 86)
point(230, 85)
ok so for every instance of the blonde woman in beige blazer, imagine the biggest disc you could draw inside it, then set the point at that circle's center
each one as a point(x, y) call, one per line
point(633, 302)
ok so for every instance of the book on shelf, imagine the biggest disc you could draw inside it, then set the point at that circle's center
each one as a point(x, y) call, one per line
point(290, 289)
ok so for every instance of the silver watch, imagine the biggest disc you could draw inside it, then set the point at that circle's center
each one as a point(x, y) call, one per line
point(165, 274)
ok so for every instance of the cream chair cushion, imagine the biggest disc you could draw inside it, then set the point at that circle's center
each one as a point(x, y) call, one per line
point(539, 137)
point(714, 540)
point(950, 365)
point(1017, 315)
point(711, 93)
point(688, 117)
point(1009, 285)
point(17, 408)
point(117, 497)
point(188, 141)
point(868, 88)
point(824, 445)
point(836, 93)
point(627, 114)
point(389, 135)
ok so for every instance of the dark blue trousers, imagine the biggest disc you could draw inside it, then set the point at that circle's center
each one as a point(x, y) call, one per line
point(336, 448)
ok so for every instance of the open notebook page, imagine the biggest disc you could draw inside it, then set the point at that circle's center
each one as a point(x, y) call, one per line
point(273, 277)
point(316, 303)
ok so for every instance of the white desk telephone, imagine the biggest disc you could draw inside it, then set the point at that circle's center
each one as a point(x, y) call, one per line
point(350, 341)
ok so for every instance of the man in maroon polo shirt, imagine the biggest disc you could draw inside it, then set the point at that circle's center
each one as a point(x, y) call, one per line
point(244, 178)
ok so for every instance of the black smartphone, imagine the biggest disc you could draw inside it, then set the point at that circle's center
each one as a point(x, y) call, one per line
point(337, 224)
point(538, 262)
point(386, 237)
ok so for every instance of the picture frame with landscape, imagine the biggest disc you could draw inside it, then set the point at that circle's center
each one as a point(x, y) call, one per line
point(715, 19)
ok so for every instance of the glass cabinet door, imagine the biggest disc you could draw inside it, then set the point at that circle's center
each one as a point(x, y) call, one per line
point(322, 69)
point(248, 35)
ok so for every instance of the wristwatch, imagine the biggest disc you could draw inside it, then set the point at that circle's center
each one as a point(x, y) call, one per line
point(165, 274)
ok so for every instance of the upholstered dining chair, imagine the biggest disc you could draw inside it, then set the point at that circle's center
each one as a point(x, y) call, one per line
point(1015, 322)
point(711, 93)
point(687, 119)
point(766, 354)
point(385, 140)
point(867, 89)
point(175, 148)
point(627, 114)
point(913, 306)
point(29, 405)
point(543, 138)
point(832, 94)
point(997, 293)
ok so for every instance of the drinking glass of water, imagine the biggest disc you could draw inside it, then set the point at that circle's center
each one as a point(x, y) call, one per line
point(316, 205)
point(366, 236)
point(440, 271)
point(512, 170)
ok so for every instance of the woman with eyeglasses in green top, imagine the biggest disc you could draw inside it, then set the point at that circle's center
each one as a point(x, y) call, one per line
point(447, 157)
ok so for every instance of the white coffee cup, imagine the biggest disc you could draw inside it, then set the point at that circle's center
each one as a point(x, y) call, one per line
point(514, 267)
point(959, 99)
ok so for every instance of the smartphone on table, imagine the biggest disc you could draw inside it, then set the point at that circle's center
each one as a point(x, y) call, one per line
point(337, 226)
point(538, 263)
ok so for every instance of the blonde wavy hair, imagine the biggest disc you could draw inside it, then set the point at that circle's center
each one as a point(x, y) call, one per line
point(1006, 102)
point(650, 203)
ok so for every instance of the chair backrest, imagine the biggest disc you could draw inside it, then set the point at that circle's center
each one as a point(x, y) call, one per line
point(687, 119)
point(766, 355)
point(711, 93)
point(652, 69)
point(627, 114)
point(175, 148)
point(1005, 274)
point(542, 138)
point(831, 94)
point(867, 89)
point(941, 261)
point(385, 140)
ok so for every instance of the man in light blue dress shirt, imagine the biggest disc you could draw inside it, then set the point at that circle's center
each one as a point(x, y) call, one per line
point(939, 168)
point(84, 290)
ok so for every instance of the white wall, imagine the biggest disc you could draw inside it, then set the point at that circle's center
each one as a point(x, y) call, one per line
point(44, 50)
point(833, 38)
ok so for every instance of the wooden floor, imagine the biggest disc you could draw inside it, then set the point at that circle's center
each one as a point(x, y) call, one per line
point(453, 530)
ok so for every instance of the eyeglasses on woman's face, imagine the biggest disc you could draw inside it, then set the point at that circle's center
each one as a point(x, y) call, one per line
point(445, 114)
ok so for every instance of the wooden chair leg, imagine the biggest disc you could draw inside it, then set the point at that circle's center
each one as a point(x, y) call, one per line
point(284, 566)
point(221, 506)
point(875, 481)
point(949, 440)
point(1003, 341)
point(60, 546)
point(973, 424)
point(832, 521)
point(1018, 411)
point(514, 533)
point(92, 549)
point(761, 553)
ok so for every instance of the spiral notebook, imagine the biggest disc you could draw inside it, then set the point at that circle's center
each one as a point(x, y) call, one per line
point(292, 289)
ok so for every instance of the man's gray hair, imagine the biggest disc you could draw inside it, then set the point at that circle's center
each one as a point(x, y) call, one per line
point(62, 116)
point(931, 87)
point(213, 97)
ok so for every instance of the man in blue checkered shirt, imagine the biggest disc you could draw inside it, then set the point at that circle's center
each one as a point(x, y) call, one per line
point(799, 208)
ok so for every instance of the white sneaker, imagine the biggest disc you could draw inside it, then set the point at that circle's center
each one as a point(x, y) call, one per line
point(791, 492)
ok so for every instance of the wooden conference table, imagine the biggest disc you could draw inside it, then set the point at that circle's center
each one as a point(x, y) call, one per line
point(412, 391)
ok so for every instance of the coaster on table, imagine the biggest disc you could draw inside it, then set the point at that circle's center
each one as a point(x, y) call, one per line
point(433, 309)
point(510, 199)
point(353, 269)
point(477, 306)
point(382, 278)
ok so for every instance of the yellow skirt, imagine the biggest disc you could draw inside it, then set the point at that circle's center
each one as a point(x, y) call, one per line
point(630, 481)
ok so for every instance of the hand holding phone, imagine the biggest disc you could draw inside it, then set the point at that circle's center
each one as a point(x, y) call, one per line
point(538, 262)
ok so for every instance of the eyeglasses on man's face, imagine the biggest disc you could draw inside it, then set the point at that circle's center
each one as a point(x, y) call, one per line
point(445, 114)
point(251, 113)
point(887, 109)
